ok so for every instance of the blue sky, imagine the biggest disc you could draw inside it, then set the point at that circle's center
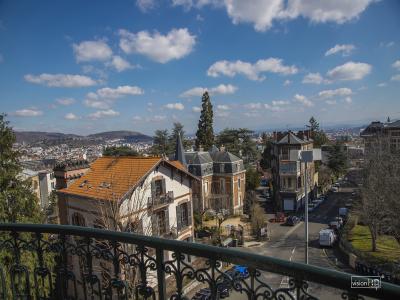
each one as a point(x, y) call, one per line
point(84, 66)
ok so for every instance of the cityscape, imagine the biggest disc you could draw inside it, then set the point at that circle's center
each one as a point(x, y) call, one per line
point(200, 149)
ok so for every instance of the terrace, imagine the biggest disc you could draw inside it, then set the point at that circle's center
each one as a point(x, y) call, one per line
point(37, 264)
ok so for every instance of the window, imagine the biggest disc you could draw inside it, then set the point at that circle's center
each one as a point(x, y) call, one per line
point(183, 215)
point(221, 168)
point(222, 185)
point(162, 228)
point(52, 186)
point(158, 187)
point(206, 188)
point(239, 183)
point(78, 219)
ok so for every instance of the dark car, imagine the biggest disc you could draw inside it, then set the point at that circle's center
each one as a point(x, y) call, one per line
point(292, 220)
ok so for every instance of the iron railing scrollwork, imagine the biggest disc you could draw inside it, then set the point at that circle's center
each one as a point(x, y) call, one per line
point(68, 262)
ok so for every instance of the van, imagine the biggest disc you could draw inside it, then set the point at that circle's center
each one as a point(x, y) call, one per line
point(327, 237)
point(343, 212)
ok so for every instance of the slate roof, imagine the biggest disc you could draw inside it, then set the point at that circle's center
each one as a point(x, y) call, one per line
point(291, 139)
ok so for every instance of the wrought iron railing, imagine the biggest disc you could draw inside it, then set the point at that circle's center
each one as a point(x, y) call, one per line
point(69, 262)
point(161, 199)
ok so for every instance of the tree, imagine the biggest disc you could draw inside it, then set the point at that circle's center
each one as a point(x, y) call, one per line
point(119, 151)
point(267, 156)
point(205, 131)
point(239, 142)
point(319, 137)
point(17, 201)
point(160, 142)
point(337, 159)
point(252, 179)
point(324, 178)
point(257, 219)
point(177, 128)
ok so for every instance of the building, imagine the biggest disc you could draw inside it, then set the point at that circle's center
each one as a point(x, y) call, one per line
point(47, 184)
point(386, 133)
point(68, 171)
point(222, 175)
point(288, 175)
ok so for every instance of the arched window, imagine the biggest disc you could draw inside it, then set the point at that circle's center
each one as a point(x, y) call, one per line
point(78, 219)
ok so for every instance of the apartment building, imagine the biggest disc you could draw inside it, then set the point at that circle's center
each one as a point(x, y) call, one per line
point(287, 174)
point(388, 134)
point(67, 172)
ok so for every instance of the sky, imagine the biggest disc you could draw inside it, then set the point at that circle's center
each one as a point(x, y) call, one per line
point(89, 66)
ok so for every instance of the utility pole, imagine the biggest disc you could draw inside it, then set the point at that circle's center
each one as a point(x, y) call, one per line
point(306, 213)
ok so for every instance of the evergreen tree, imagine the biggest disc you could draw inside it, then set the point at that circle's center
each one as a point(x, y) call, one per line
point(319, 137)
point(119, 151)
point(17, 201)
point(267, 156)
point(177, 128)
point(205, 131)
point(239, 142)
point(160, 142)
point(252, 179)
point(337, 159)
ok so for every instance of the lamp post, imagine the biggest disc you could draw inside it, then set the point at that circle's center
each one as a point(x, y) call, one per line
point(305, 156)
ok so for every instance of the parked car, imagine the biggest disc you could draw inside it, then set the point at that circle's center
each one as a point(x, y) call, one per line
point(335, 225)
point(334, 189)
point(311, 207)
point(339, 220)
point(292, 220)
point(327, 237)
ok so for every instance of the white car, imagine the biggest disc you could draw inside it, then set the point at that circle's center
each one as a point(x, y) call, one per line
point(327, 237)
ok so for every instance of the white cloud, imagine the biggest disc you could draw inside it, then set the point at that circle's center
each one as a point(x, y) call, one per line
point(334, 93)
point(28, 112)
point(71, 117)
point(61, 80)
point(223, 107)
point(346, 49)
point(303, 100)
point(396, 65)
point(382, 84)
point(395, 77)
point(137, 118)
point(196, 109)
point(251, 71)
point(287, 82)
point(314, 78)
point(348, 100)
point(65, 101)
point(120, 64)
point(156, 118)
point(92, 50)
point(104, 98)
point(222, 89)
point(263, 13)
point(253, 105)
point(222, 114)
point(145, 5)
point(176, 106)
point(350, 71)
point(279, 102)
point(103, 113)
point(331, 102)
point(175, 44)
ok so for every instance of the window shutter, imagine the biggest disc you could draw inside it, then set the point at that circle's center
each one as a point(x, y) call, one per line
point(166, 214)
point(154, 226)
point(189, 213)
point(153, 189)
point(178, 218)
point(164, 187)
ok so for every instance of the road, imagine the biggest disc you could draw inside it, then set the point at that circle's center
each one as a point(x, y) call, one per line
point(288, 243)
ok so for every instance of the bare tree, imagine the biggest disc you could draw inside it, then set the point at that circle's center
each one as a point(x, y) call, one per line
point(380, 205)
point(257, 219)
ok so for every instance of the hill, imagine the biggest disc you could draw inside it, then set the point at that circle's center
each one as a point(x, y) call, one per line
point(121, 134)
point(36, 136)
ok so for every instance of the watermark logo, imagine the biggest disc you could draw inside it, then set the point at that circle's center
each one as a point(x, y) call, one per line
point(365, 282)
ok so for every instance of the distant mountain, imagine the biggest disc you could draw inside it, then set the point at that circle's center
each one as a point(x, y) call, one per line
point(33, 137)
point(121, 134)
point(36, 136)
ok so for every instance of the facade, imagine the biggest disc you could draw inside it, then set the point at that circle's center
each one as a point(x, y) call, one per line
point(288, 175)
point(153, 192)
point(389, 134)
point(222, 175)
point(47, 184)
point(68, 171)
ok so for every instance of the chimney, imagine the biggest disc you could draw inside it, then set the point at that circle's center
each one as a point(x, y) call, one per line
point(201, 149)
point(222, 148)
point(275, 137)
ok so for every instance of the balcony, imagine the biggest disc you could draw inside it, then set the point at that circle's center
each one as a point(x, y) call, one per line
point(289, 168)
point(158, 201)
point(64, 262)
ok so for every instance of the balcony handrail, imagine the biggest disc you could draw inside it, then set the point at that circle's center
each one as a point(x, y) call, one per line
point(333, 278)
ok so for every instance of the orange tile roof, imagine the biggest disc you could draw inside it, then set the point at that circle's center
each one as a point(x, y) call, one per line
point(110, 178)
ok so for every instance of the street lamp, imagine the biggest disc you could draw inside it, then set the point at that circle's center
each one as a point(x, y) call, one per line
point(305, 156)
